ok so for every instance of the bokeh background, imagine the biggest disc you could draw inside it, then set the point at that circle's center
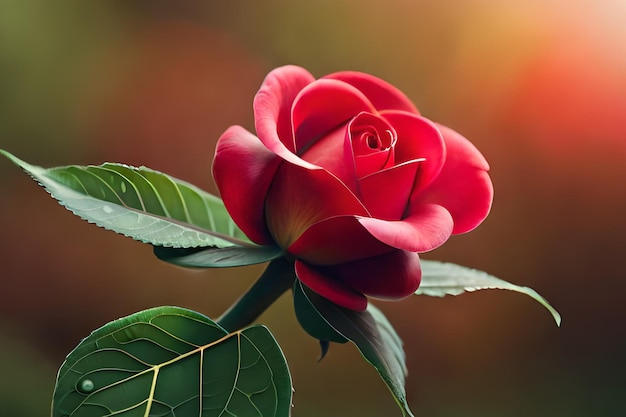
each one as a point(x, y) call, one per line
point(538, 85)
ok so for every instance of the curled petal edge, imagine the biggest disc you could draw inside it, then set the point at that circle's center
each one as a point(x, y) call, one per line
point(243, 169)
point(426, 227)
point(463, 186)
point(272, 110)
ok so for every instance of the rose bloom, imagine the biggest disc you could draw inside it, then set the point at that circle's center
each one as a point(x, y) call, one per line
point(350, 181)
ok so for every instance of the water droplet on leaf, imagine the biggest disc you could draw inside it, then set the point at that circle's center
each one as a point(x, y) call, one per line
point(87, 386)
point(107, 209)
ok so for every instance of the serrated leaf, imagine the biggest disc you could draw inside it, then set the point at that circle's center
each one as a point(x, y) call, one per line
point(444, 278)
point(140, 203)
point(218, 257)
point(169, 361)
point(375, 338)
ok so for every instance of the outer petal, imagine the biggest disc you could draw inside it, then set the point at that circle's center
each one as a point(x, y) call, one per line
point(337, 240)
point(418, 137)
point(383, 95)
point(463, 186)
point(323, 106)
point(243, 169)
point(272, 110)
point(390, 276)
point(299, 198)
point(344, 239)
point(426, 227)
point(330, 288)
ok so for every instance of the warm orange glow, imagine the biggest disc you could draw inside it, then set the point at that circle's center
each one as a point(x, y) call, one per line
point(538, 85)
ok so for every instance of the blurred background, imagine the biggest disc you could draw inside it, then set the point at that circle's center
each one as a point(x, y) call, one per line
point(539, 86)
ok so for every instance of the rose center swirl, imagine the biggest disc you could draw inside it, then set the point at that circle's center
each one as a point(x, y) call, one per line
point(372, 140)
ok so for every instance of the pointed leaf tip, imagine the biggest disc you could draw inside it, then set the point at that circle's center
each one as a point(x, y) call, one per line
point(140, 203)
point(372, 334)
point(444, 278)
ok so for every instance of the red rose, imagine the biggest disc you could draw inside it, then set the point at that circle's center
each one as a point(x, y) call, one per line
point(348, 178)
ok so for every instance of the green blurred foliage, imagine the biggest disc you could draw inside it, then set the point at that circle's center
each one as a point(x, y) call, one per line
point(27, 375)
point(538, 86)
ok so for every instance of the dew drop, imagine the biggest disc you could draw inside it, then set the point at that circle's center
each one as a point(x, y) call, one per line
point(123, 186)
point(87, 385)
point(107, 209)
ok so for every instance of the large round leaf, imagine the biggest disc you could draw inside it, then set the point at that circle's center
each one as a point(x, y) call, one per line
point(168, 361)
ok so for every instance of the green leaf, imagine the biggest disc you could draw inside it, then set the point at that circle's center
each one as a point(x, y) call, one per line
point(444, 278)
point(310, 318)
point(169, 361)
point(375, 338)
point(218, 257)
point(140, 203)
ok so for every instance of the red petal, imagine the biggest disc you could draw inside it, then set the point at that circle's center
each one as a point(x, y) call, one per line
point(383, 95)
point(418, 138)
point(372, 140)
point(272, 110)
point(333, 153)
point(243, 169)
point(299, 198)
point(321, 107)
point(332, 289)
point(463, 186)
point(426, 227)
point(391, 276)
point(386, 193)
point(336, 240)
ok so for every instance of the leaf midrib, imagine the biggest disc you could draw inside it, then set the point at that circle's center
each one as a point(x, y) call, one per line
point(170, 220)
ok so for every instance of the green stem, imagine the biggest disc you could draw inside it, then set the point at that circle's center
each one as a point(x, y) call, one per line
point(277, 278)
